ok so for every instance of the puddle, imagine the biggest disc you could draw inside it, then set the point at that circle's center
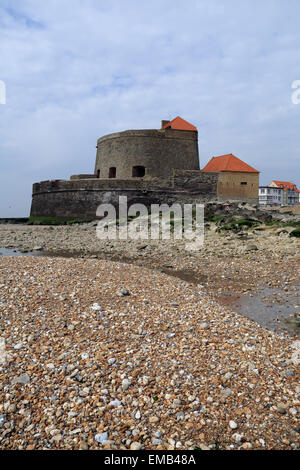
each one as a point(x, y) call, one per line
point(268, 307)
point(15, 252)
point(40, 253)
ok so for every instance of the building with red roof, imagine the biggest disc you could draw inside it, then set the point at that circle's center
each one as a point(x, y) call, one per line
point(237, 179)
point(290, 191)
point(229, 163)
point(178, 124)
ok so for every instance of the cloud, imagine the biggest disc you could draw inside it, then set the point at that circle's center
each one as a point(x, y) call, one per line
point(75, 73)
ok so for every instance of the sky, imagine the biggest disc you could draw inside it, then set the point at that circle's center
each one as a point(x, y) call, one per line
point(75, 70)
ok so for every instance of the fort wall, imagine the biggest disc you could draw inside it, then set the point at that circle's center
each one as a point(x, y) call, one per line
point(157, 151)
point(80, 198)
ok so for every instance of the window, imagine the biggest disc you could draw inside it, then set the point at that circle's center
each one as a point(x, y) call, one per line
point(138, 171)
point(98, 173)
point(244, 183)
point(112, 172)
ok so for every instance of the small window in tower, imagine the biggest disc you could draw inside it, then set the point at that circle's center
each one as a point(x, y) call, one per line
point(138, 171)
point(112, 172)
point(98, 173)
point(244, 183)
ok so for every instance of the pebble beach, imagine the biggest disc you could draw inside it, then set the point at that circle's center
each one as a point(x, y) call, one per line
point(97, 353)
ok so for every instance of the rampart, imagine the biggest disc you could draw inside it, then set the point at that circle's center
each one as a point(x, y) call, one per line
point(80, 198)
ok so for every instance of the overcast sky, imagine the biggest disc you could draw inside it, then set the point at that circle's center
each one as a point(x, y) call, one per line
point(75, 70)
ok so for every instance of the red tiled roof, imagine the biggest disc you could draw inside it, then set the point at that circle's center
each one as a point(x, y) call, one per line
point(180, 124)
point(228, 163)
point(286, 185)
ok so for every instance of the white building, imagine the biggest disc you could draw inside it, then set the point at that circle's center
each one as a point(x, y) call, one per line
point(290, 196)
point(270, 196)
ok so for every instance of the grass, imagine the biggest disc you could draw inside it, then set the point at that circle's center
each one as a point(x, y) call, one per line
point(279, 223)
point(295, 233)
point(239, 225)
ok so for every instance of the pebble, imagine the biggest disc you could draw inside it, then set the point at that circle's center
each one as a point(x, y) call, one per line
point(281, 409)
point(2, 420)
point(125, 384)
point(115, 403)
point(23, 379)
point(101, 437)
point(136, 446)
point(124, 292)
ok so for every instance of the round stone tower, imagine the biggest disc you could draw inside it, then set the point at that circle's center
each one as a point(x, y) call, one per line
point(146, 153)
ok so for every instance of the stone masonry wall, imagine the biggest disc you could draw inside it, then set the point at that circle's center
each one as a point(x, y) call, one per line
point(158, 151)
point(80, 198)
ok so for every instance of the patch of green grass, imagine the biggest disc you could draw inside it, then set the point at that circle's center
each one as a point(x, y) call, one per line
point(295, 233)
point(238, 225)
point(279, 223)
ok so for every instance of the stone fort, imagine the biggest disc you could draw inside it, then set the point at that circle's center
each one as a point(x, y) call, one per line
point(150, 166)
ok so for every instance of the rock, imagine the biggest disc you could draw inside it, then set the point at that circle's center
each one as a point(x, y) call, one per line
point(227, 376)
point(180, 416)
point(176, 403)
point(111, 361)
point(116, 403)
point(203, 447)
point(204, 325)
point(281, 409)
point(157, 442)
point(96, 307)
point(226, 393)
point(136, 446)
point(238, 438)
point(23, 379)
point(83, 445)
point(247, 445)
point(84, 392)
point(145, 380)
point(2, 420)
point(250, 248)
point(289, 373)
point(153, 419)
point(125, 384)
point(233, 425)
point(124, 293)
point(100, 438)
point(37, 248)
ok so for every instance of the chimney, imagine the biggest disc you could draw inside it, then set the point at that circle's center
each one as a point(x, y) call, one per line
point(163, 123)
